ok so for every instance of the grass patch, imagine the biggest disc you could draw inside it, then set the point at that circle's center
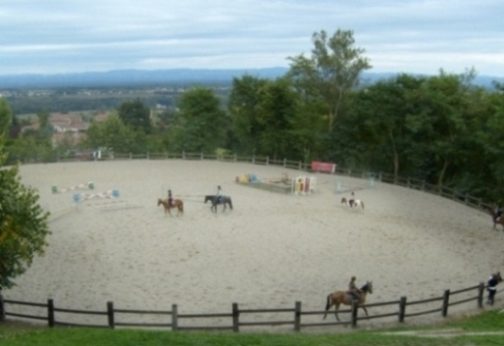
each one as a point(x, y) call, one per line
point(14, 334)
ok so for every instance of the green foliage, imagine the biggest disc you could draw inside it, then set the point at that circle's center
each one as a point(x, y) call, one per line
point(200, 124)
point(115, 135)
point(5, 116)
point(23, 226)
point(332, 71)
point(243, 107)
point(136, 115)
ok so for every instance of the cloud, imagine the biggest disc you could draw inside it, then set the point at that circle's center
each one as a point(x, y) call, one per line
point(68, 36)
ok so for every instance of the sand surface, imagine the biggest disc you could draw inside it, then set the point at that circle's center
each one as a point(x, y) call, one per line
point(270, 251)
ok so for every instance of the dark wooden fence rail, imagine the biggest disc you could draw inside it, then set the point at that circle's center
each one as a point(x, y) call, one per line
point(238, 318)
point(411, 183)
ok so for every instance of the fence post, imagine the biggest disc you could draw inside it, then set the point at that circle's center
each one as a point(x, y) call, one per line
point(110, 314)
point(183, 155)
point(355, 308)
point(235, 157)
point(446, 300)
point(481, 292)
point(285, 162)
point(236, 318)
point(267, 160)
point(174, 317)
point(202, 156)
point(253, 158)
point(2, 308)
point(50, 312)
point(297, 317)
point(402, 308)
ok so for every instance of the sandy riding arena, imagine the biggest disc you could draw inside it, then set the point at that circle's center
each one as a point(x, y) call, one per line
point(271, 250)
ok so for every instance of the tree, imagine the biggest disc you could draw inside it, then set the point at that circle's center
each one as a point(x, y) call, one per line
point(331, 72)
point(380, 117)
point(136, 115)
point(200, 124)
point(23, 223)
point(277, 111)
point(115, 135)
point(243, 107)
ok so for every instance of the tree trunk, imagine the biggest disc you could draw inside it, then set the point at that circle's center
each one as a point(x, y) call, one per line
point(441, 176)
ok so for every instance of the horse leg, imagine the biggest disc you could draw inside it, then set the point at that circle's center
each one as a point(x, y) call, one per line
point(328, 305)
point(365, 310)
point(336, 308)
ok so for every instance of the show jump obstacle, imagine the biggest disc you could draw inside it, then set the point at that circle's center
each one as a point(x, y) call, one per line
point(301, 185)
point(83, 186)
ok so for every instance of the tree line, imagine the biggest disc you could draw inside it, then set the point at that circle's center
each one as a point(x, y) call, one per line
point(442, 129)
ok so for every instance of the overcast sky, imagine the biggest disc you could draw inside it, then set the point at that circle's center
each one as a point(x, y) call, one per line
point(412, 36)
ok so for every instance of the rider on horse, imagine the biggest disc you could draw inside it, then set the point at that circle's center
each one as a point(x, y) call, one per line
point(353, 290)
point(170, 198)
point(218, 195)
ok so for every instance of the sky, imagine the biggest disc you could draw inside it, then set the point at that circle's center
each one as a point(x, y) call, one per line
point(410, 36)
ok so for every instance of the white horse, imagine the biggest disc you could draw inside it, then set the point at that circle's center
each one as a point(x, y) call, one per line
point(356, 203)
point(352, 202)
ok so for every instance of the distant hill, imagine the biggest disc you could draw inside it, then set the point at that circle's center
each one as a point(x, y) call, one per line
point(136, 78)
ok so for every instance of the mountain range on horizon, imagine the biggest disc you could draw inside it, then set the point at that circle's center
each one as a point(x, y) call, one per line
point(137, 78)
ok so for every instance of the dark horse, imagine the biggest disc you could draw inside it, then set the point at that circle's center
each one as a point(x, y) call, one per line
point(345, 297)
point(216, 200)
point(497, 219)
point(177, 203)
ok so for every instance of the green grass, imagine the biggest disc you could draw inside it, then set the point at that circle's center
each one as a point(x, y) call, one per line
point(14, 334)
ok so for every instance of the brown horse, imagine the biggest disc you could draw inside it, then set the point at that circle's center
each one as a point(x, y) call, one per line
point(497, 220)
point(346, 298)
point(177, 203)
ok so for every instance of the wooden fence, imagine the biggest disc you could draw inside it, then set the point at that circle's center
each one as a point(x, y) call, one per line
point(411, 183)
point(237, 319)
point(234, 320)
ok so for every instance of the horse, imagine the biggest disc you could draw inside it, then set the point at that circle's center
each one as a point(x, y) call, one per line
point(346, 298)
point(356, 203)
point(352, 202)
point(216, 200)
point(497, 220)
point(177, 203)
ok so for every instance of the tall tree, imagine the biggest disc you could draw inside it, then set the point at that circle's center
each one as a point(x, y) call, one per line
point(243, 107)
point(277, 111)
point(331, 72)
point(200, 124)
point(136, 115)
point(115, 135)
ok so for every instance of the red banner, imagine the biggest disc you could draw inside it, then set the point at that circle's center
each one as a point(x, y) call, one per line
point(325, 167)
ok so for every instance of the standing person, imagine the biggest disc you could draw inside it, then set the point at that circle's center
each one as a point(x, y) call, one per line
point(498, 213)
point(170, 198)
point(493, 280)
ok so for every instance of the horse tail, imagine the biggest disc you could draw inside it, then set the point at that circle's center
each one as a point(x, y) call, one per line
point(362, 204)
point(230, 203)
point(181, 206)
point(328, 302)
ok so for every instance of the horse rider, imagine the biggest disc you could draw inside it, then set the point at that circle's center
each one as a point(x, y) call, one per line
point(352, 289)
point(218, 195)
point(493, 280)
point(170, 198)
